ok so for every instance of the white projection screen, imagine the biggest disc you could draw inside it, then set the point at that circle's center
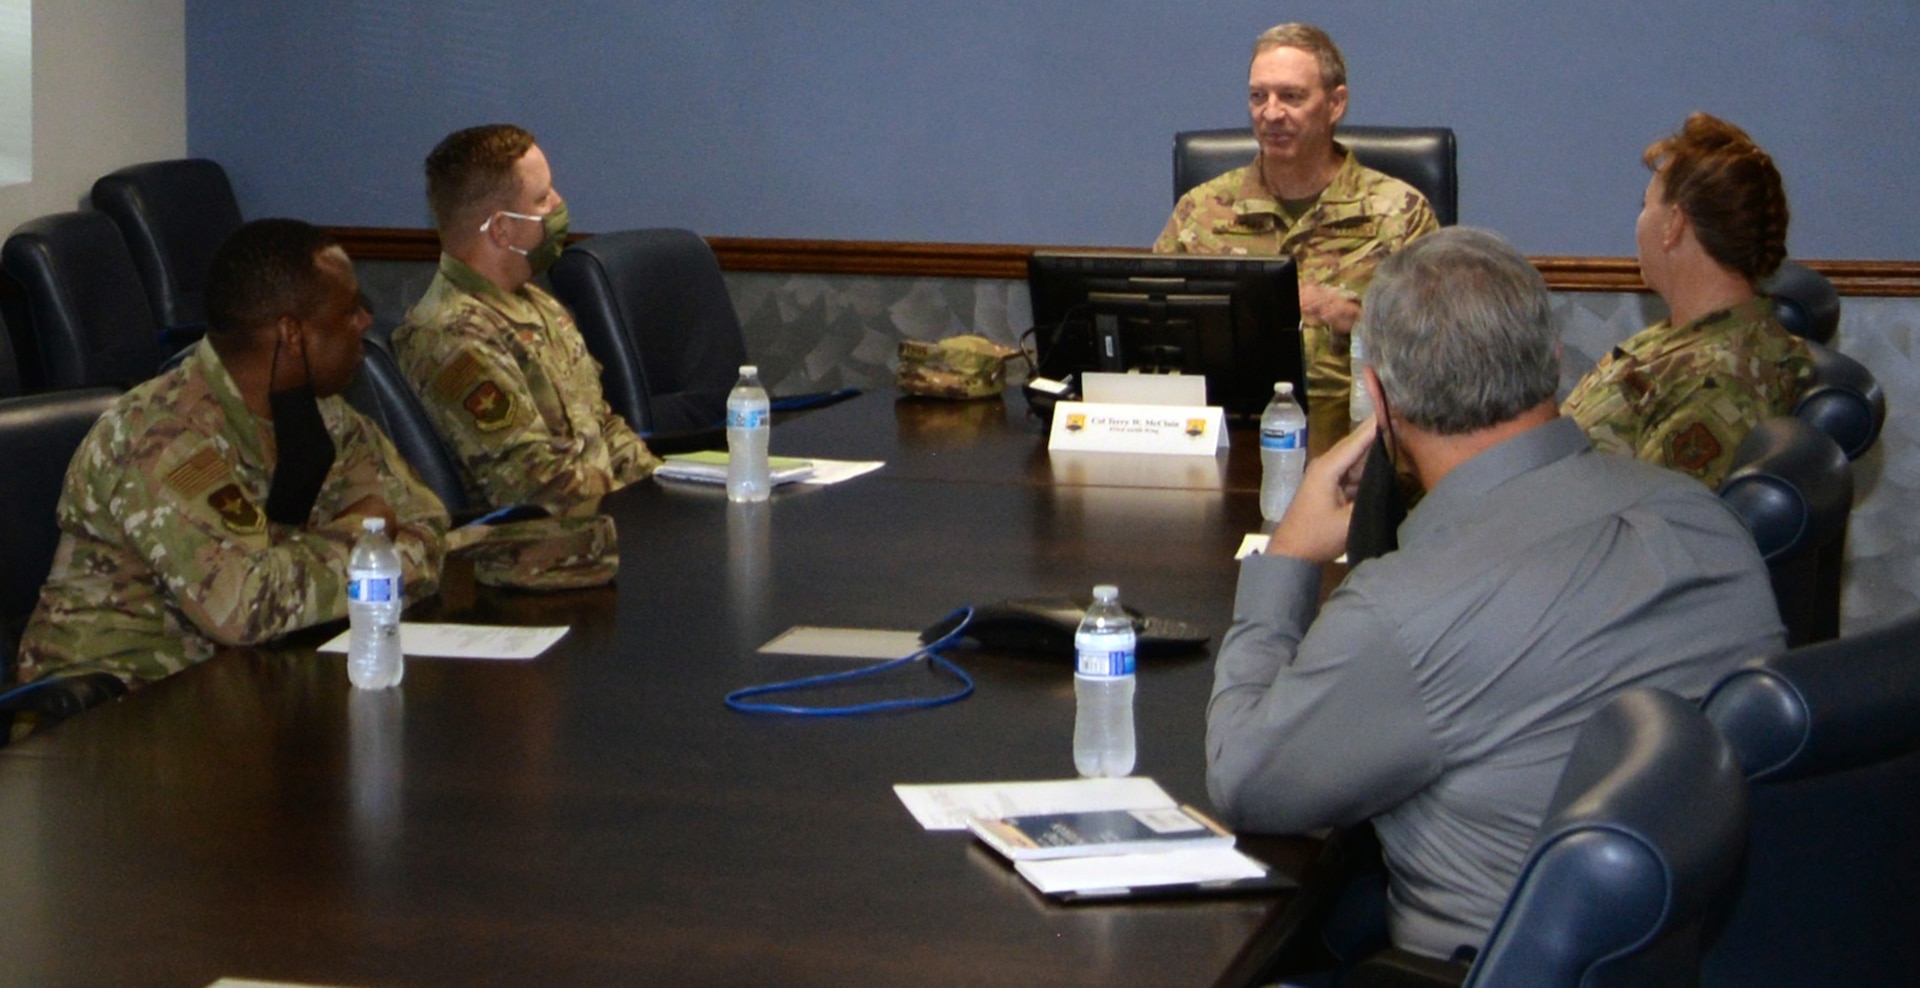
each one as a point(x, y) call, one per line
point(16, 91)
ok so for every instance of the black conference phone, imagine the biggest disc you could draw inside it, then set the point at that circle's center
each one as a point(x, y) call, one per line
point(1046, 625)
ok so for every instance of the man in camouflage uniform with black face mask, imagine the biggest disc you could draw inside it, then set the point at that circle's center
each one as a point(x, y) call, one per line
point(1308, 198)
point(179, 528)
point(498, 362)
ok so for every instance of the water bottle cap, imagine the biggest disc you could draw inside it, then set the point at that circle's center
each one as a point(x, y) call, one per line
point(1106, 593)
point(749, 370)
point(1283, 387)
point(375, 524)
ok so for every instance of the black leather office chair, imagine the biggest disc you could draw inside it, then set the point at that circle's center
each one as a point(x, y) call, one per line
point(1641, 844)
point(382, 393)
point(1423, 157)
point(1804, 301)
point(1794, 489)
point(173, 215)
point(38, 435)
point(654, 310)
point(1843, 400)
point(9, 364)
point(1830, 739)
point(91, 322)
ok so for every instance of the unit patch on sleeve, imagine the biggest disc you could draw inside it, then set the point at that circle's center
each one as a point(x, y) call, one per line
point(490, 407)
point(464, 381)
point(1693, 448)
point(239, 514)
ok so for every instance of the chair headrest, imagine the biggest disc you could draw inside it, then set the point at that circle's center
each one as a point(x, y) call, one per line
point(1792, 486)
point(174, 215)
point(91, 321)
point(1423, 157)
point(1804, 301)
point(1824, 708)
point(1843, 400)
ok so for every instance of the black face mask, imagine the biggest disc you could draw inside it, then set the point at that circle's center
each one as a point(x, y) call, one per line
point(304, 449)
point(1380, 504)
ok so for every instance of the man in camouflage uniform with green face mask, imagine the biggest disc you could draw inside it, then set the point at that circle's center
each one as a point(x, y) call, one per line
point(1305, 196)
point(169, 543)
point(498, 362)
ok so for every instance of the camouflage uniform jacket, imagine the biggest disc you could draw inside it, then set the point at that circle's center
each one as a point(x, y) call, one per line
point(1684, 398)
point(1360, 218)
point(165, 549)
point(509, 383)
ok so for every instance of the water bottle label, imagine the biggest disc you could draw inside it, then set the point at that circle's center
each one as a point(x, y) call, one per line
point(1094, 662)
point(1294, 439)
point(374, 590)
point(746, 418)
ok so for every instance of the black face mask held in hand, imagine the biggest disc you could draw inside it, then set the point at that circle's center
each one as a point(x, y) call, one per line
point(304, 449)
point(1380, 505)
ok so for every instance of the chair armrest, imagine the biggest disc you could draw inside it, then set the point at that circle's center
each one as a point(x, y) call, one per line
point(1396, 968)
point(689, 441)
point(59, 697)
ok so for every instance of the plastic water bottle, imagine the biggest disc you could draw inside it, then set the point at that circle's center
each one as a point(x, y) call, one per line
point(1359, 400)
point(374, 600)
point(1283, 451)
point(749, 422)
point(1103, 688)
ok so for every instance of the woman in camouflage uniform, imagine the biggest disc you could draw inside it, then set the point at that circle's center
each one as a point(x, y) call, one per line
point(1683, 392)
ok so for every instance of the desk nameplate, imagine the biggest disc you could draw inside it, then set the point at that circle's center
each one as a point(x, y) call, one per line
point(1179, 430)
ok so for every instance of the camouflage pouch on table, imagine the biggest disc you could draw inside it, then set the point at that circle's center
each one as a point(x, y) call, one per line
point(957, 367)
point(545, 553)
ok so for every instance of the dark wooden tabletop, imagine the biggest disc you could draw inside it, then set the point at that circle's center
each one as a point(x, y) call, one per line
point(598, 816)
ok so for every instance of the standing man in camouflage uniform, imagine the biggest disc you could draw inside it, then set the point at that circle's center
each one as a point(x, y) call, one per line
point(1685, 391)
point(1305, 196)
point(499, 362)
point(217, 503)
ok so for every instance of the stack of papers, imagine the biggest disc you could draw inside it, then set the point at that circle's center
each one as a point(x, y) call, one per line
point(1094, 838)
point(710, 467)
point(1156, 830)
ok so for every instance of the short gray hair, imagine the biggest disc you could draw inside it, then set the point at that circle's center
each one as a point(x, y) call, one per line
point(1458, 327)
point(1313, 41)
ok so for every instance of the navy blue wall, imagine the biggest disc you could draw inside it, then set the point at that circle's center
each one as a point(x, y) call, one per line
point(1039, 121)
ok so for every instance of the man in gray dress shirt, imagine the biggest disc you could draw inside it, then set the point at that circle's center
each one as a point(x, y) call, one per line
point(1439, 689)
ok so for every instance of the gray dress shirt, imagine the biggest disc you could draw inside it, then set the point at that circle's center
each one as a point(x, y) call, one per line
point(1439, 690)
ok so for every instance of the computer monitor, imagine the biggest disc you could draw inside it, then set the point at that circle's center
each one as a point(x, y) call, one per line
point(1235, 320)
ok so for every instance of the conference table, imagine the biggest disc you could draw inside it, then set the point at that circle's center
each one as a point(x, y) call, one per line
point(598, 816)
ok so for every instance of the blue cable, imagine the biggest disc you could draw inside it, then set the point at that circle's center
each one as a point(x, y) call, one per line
point(739, 699)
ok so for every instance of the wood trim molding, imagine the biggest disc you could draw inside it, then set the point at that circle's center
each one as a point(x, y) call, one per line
point(1899, 279)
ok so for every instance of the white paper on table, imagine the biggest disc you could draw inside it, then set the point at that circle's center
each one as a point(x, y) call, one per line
point(948, 807)
point(848, 643)
point(465, 641)
point(834, 471)
point(249, 983)
point(1194, 866)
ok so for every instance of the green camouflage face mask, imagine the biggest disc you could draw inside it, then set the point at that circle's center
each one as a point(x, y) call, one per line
point(553, 228)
